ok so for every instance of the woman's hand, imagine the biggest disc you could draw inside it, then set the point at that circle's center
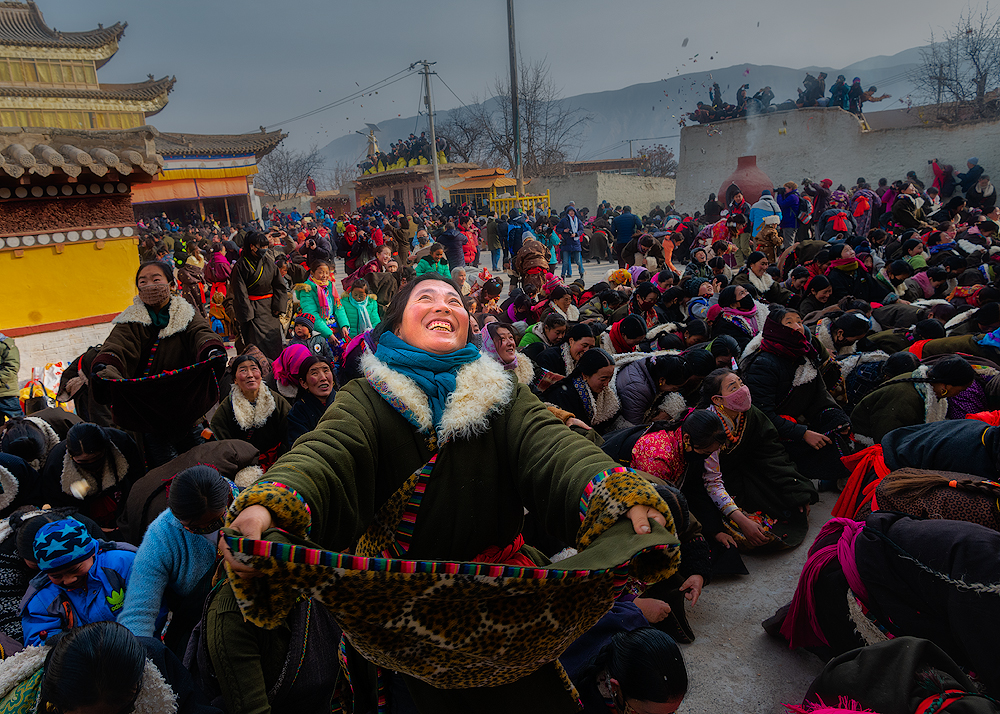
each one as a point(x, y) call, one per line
point(251, 523)
point(815, 439)
point(750, 529)
point(642, 515)
point(653, 610)
point(726, 539)
point(576, 422)
point(346, 332)
point(692, 588)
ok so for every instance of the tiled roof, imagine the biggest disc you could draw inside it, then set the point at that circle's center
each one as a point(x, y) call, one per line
point(140, 91)
point(44, 152)
point(260, 143)
point(23, 24)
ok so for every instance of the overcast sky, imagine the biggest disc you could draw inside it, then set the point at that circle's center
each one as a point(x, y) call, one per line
point(241, 64)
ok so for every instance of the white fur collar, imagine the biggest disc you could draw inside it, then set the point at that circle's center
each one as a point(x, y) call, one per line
point(181, 314)
point(524, 370)
point(850, 363)
point(673, 405)
point(657, 330)
point(79, 483)
point(156, 696)
point(51, 440)
point(571, 315)
point(10, 488)
point(825, 338)
point(934, 409)
point(606, 343)
point(958, 320)
point(538, 331)
point(629, 357)
point(568, 362)
point(763, 283)
point(251, 416)
point(754, 344)
point(606, 404)
point(968, 247)
point(805, 373)
point(247, 477)
point(482, 389)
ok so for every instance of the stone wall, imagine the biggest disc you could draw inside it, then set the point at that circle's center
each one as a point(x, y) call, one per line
point(60, 346)
point(588, 190)
point(825, 143)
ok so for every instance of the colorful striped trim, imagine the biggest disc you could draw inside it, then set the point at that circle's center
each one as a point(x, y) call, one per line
point(297, 495)
point(408, 521)
point(380, 386)
point(589, 489)
point(286, 553)
point(168, 373)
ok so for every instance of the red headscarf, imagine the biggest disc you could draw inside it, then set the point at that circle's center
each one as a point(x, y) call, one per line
point(618, 339)
point(784, 341)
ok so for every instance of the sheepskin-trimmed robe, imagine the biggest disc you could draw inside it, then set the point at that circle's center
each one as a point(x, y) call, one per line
point(897, 404)
point(185, 340)
point(499, 452)
point(263, 423)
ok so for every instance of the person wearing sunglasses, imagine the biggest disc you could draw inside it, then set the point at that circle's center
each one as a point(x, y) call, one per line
point(176, 559)
point(100, 668)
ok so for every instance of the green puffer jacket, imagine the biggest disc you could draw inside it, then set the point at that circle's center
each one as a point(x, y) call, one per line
point(10, 363)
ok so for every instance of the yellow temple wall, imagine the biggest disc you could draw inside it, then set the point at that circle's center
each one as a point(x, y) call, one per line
point(85, 283)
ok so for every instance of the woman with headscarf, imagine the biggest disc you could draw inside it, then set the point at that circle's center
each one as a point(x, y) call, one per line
point(318, 297)
point(737, 315)
point(864, 204)
point(786, 375)
point(93, 470)
point(620, 278)
point(560, 302)
point(158, 333)
point(360, 309)
point(431, 402)
point(252, 412)
point(259, 296)
point(643, 304)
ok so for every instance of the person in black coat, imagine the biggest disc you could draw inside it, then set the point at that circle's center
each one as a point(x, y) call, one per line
point(453, 242)
point(94, 470)
point(316, 393)
point(848, 277)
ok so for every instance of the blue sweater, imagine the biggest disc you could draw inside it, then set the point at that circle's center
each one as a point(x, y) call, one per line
point(169, 556)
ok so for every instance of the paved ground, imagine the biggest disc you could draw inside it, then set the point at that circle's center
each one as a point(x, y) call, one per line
point(732, 665)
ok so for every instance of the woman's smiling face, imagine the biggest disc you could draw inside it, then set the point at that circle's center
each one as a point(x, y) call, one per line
point(435, 319)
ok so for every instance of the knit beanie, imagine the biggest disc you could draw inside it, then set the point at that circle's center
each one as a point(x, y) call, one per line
point(62, 543)
point(974, 161)
point(306, 320)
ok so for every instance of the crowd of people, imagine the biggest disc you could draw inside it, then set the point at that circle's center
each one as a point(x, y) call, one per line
point(426, 487)
point(850, 97)
point(411, 151)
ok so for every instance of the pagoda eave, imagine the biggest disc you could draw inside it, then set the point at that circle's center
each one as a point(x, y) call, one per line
point(148, 107)
point(99, 55)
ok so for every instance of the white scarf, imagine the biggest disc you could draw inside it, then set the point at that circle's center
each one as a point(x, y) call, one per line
point(571, 315)
point(574, 224)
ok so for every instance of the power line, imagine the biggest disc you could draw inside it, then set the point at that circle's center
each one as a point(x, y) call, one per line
point(451, 90)
point(351, 97)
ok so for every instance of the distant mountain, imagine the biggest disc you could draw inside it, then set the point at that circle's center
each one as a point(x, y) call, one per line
point(650, 112)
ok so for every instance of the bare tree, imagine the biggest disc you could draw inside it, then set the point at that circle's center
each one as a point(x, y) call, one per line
point(334, 177)
point(962, 71)
point(283, 172)
point(484, 131)
point(657, 160)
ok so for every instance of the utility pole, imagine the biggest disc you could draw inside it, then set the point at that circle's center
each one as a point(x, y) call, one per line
point(430, 115)
point(630, 148)
point(516, 114)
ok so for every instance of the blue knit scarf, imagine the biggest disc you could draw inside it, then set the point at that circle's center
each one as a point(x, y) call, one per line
point(434, 374)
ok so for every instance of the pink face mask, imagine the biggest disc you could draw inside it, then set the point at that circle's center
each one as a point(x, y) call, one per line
point(738, 401)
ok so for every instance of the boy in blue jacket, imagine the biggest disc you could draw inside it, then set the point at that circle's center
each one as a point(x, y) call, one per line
point(86, 583)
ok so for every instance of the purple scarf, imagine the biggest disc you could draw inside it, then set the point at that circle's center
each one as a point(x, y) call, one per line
point(801, 626)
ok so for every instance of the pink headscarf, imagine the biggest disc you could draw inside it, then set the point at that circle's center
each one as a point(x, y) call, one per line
point(286, 367)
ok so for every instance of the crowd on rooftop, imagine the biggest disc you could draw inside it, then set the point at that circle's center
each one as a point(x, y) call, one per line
point(434, 461)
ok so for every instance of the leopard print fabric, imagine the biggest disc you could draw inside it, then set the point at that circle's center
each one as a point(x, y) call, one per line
point(289, 510)
point(609, 496)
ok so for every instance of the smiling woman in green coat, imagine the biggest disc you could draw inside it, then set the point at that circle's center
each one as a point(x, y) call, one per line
point(437, 426)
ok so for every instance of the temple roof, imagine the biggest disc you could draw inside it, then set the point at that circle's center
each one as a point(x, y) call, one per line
point(260, 143)
point(22, 24)
point(140, 91)
point(69, 152)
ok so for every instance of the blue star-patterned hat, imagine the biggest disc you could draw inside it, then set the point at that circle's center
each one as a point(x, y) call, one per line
point(62, 543)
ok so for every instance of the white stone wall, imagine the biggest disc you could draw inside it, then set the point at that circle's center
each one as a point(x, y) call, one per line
point(588, 190)
point(60, 346)
point(825, 143)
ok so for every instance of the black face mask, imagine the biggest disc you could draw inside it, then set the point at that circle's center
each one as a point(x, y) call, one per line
point(746, 303)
